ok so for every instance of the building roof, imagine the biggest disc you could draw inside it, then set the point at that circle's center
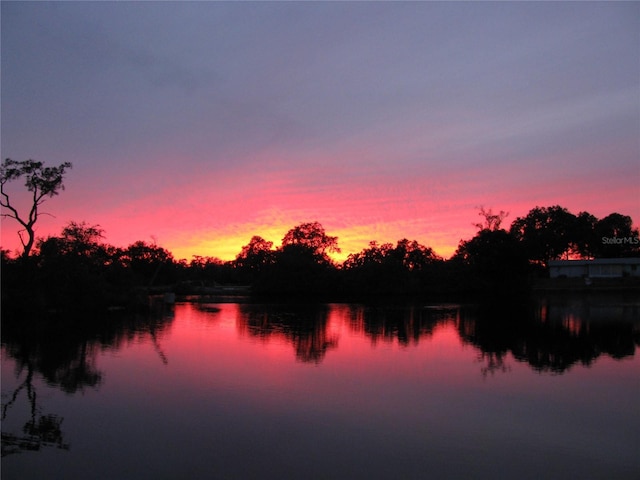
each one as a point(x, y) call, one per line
point(595, 261)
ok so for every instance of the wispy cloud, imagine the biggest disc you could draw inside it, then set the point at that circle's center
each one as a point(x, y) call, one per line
point(207, 122)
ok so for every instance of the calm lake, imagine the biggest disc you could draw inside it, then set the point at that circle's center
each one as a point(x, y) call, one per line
point(213, 389)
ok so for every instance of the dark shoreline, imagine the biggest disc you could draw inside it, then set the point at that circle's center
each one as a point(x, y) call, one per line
point(587, 285)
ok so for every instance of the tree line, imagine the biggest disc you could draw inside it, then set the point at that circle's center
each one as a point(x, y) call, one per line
point(78, 266)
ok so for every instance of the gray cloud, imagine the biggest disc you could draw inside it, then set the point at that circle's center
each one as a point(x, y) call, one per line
point(415, 87)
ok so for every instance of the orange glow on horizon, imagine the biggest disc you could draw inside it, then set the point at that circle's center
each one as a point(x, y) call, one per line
point(226, 245)
point(435, 207)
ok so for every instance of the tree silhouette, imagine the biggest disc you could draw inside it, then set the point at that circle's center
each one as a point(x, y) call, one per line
point(373, 255)
point(492, 221)
point(545, 233)
point(551, 233)
point(78, 240)
point(255, 255)
point(301, 265)
point(496, 262)
point(385, 269)
point(615, 237)
point(149, 263)
point(412, 255)
point(41, 181)
point(584, 241)
point(74, 268)
point(311, 236)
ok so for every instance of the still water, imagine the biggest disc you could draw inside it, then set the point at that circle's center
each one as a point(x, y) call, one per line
point(218, 390)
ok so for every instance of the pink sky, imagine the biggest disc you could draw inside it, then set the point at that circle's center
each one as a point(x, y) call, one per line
point(200, 125)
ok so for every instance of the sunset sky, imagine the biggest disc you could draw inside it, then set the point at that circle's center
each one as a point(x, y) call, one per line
point(198, 125)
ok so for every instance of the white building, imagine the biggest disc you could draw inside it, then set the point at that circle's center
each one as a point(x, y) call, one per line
point(597, 268)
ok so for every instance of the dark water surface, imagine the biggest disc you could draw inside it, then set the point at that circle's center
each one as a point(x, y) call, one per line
point(255, 391)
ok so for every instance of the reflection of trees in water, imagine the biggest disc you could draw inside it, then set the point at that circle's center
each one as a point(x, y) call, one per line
point(305, 326)
point(548, 336)
point(493, 362)
point(63, 353)
point(39, 431)
point(405, 323)
point(64, 363)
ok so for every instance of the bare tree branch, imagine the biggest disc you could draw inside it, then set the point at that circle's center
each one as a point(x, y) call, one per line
point(41, 181)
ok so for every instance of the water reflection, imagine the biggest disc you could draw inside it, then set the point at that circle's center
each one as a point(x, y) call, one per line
point(39, 431)
point(303, 325)
point(552, 336)
point(549, 336)
point(62, 352)
point(406, 324)
point(375, 387)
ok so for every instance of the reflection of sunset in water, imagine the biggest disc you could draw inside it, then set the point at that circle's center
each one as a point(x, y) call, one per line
point(325, 334)
point(255, 390)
